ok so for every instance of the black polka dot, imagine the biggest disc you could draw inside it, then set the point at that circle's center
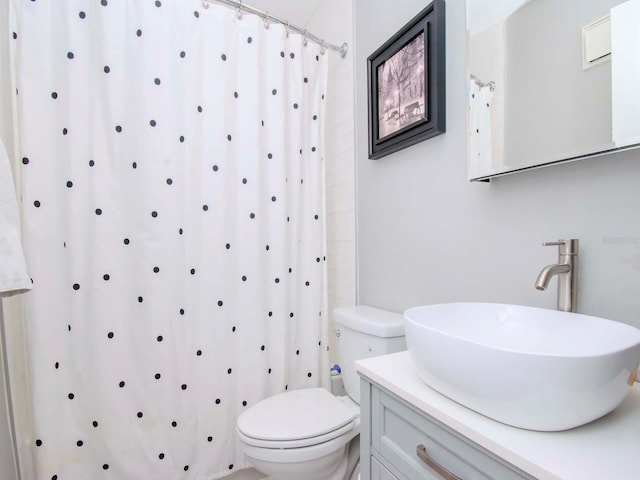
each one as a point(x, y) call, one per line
point(274, 91)
point(229, 371)
point(183, 386)
point(218, 401)
point(140, 299)
point(182, 54)
point(186, 467)
point(69, 184)
point(262, 348)
point(215, 168)
point(235, 94)
point(157, 81)
point(121, 384)
point(65, 131)
point(223, 57)
point(91, 163)
point(220, 303)
point(139, 414)
point(231, 467)
point(181, 311)
point(139, 33)
point(174, 424)
point(244, 403)
point(76, 286)
point(110, 335)
point(106, 465)
point(181, 138)
point(282, 54)
point(56, 365)
point(269, 155)
point(169, 181)
point(158, 3)
point(95, 424)
point(71, 396)
point(134, 165)
point(98, 211)
point(157, 376)
point(152, 123)
point(161, 456)
point(126, 241)
point(227, 246)
point(209, 439)
point(309, 374)
point(54, 95)
point(249, 39)
point(159, 338)
point(306, 80)
point(199, 109)
point(156, 269)
point(244, 181)
point(252, 215)
point(292, 55)
point(229, 137)
point(199, 353)
point(118, 128)
point(107, 69)
point(154, 214)
point(196, 14)
point(70, 55)
point(295, 105)
point(38, 442)
point(104, 3)
point(273, 199)
point(25, 161)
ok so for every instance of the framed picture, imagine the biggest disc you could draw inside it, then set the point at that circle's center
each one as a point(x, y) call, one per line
point(406, 81)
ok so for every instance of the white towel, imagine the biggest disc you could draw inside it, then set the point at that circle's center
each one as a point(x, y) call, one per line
point(13, 270)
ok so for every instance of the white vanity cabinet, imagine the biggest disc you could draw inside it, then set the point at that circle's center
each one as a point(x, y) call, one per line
point(399, 414)
point(400, 442)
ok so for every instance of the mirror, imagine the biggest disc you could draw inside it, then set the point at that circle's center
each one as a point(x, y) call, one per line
point(550, 81)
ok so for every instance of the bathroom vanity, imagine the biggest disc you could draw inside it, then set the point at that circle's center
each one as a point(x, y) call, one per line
point(406, 425)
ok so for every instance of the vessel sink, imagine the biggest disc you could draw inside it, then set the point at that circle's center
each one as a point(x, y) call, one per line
point(527, 367)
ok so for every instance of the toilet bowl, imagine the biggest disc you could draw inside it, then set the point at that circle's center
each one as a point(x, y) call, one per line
point(309, 433)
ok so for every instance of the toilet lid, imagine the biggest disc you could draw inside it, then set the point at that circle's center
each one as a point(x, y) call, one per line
point(295, 415)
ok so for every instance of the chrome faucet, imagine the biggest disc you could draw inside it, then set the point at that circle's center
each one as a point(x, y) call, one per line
point(567, 271)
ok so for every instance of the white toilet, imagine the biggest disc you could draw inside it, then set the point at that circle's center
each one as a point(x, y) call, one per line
point(311, 434)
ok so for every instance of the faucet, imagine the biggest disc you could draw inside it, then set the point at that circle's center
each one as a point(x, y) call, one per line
point(567, 271)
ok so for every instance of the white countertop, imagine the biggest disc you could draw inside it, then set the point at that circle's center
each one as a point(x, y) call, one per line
point(608, 448)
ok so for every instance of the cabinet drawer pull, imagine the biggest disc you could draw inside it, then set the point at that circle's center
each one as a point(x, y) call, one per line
point(421, 451)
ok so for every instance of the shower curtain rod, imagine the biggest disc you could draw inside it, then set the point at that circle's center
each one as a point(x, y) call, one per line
point(342, 49)
point(480, 83)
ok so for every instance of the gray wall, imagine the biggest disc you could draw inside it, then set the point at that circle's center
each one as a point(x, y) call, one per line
point(554, 108)
point(426, 235)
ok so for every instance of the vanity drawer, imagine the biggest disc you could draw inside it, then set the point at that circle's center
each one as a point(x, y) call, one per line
point(378, 472)
point(397, 430)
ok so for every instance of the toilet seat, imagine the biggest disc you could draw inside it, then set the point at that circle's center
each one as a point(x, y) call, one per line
point(295, 419)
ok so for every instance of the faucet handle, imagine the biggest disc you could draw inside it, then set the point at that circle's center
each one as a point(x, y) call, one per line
point(554, 244)
point(565, 246)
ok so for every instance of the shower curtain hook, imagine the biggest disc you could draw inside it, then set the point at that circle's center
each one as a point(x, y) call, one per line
point(304, 38)
point(287, 29)
point(322, 47)
point(205, 4)
point(266, 19)
point(239, 12)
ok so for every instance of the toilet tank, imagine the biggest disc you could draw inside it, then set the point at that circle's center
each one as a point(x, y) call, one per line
point(363, 332)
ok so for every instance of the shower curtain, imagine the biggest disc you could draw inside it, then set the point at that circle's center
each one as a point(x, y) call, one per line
point(171, 155)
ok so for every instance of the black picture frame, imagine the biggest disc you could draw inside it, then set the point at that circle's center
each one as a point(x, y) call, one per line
point(406, 84)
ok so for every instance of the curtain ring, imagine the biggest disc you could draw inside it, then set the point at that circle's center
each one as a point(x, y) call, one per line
point(266, 20)
point(304, 38)
point(239, 12)
point(287, 29)
point(322, 47)
point(205, 4)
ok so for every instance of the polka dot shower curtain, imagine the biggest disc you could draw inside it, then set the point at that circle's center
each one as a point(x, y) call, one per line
point(173, 202)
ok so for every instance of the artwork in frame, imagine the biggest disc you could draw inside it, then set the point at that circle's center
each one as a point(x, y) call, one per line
point(406, 80)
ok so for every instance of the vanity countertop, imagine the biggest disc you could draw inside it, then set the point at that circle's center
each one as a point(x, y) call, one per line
point(606, 448)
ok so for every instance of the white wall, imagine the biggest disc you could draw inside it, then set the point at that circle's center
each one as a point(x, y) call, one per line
point(426, 235)
point(333, 21)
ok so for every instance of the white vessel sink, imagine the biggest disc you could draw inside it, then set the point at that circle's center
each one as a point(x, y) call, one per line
point(528, 367)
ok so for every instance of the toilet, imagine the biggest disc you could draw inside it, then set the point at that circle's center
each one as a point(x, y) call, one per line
point(310, 433)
